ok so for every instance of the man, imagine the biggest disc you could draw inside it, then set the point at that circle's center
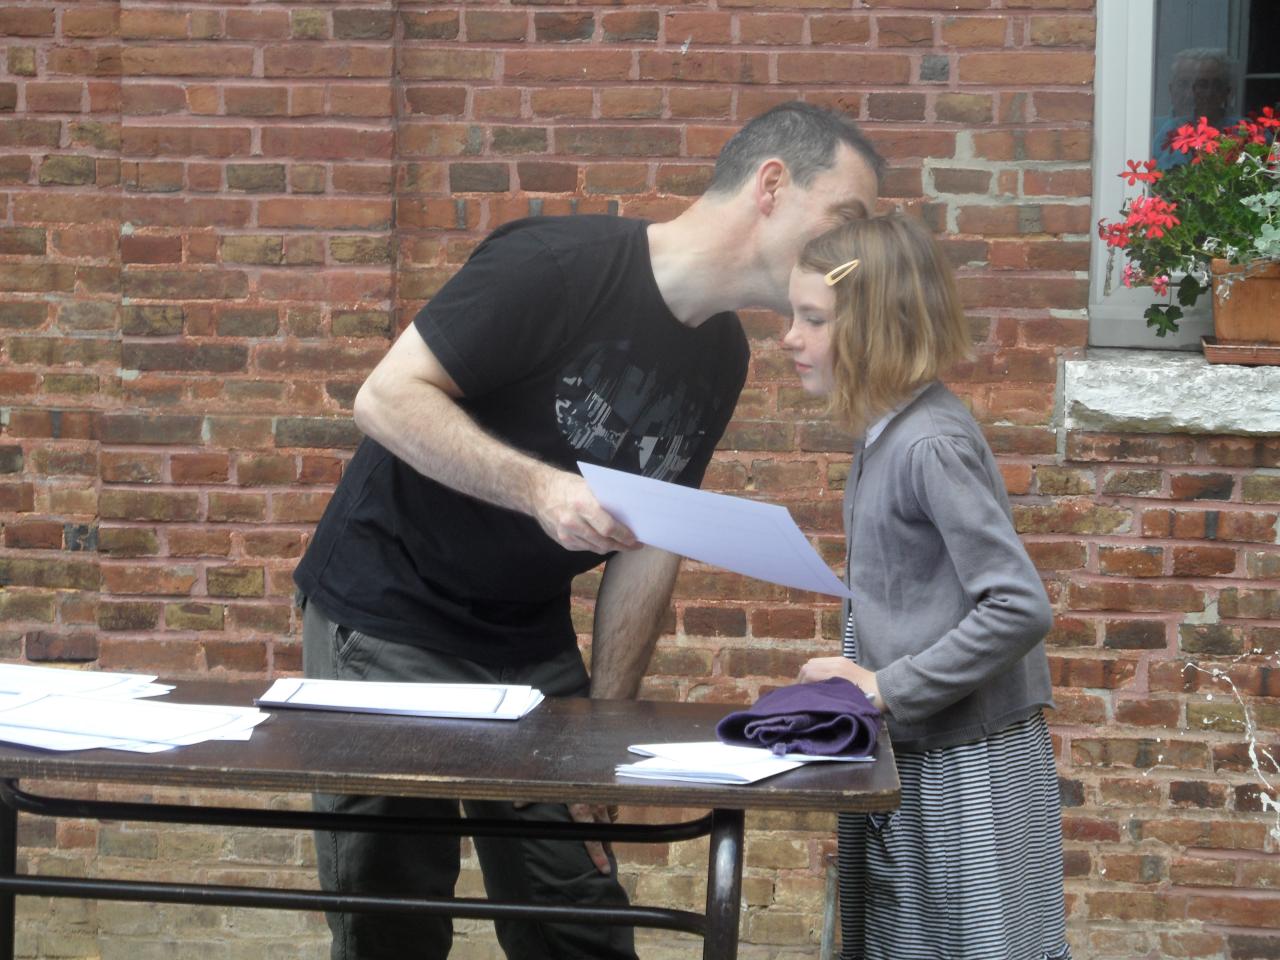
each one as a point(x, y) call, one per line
point(1201, 84)
point(449, 546)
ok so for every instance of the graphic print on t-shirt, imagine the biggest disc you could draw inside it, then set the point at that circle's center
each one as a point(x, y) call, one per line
point(640, 420)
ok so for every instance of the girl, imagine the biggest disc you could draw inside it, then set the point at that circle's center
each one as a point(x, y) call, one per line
point(945, 631)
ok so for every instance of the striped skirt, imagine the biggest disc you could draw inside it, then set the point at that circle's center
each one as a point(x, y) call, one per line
point(970, 866)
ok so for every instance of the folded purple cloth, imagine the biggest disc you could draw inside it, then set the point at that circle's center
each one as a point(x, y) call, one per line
point(829, 718)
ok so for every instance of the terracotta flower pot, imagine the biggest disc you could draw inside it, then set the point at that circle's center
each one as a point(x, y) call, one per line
point(1250, 310)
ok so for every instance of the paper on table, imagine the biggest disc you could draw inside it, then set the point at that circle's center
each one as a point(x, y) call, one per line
point(715, 752)
point(18, 678)
point(466, 701)
point(701, 766)
point(66, 722)
point(657, 768)
point(711, 761)
point(758, 539)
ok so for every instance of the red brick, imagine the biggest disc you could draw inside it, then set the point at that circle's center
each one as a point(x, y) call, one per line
point(493, 26)
point(786, 622)
point(1027, 69)
point(772, 29)
point(327, 143)
point(714, 622)
point(974, 31)
point(256, 101)
point(26, 22)
point(333, 60)
point(1135, 597)
point(579, 66)
point(1062, 31)
point(149, 248)
point(904, 31)
point(1091, 673)
point(630, 26)
point(701, 27)
point(90, 22)
point(33, 535)
point(1131, 561)
point(1203, 561)
point(187, 60)
point(257, 24)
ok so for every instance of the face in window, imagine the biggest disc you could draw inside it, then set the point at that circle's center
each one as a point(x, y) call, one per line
point(1200, 88)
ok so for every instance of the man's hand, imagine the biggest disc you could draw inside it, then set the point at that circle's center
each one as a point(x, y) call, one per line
point(569, 514)
point(596, 813)
point(589, 813)
point(823, 668)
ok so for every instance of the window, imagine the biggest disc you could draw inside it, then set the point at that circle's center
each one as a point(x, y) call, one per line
point(1159, 64)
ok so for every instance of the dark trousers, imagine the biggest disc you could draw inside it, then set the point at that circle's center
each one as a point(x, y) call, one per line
point(408, 865)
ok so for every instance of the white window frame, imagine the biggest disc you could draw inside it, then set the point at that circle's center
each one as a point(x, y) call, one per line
point(1123, 86)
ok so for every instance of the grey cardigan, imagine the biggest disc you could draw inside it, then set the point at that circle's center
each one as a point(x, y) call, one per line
point(948, 609)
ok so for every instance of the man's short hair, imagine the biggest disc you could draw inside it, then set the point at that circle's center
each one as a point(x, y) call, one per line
point(803, 136)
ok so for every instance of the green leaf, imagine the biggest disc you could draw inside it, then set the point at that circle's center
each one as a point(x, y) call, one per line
point(1163, 319)
point(1189, 290)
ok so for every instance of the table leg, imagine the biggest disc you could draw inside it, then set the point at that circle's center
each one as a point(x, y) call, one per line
point(724, 886)
point(8, 868)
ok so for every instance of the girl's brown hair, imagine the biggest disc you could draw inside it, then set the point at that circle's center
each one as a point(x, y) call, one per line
point(898, 319)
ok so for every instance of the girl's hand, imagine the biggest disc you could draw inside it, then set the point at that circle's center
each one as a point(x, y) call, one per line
point(823, 668)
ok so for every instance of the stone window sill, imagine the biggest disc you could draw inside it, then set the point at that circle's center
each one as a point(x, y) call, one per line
point(1150, 391)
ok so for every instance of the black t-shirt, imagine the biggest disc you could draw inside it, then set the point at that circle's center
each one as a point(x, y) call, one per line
point(562, 345)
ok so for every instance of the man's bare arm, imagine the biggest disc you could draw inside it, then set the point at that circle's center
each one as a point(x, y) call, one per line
point(408, 404)
point(635, 593)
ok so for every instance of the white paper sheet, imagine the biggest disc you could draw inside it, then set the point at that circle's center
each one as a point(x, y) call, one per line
point(715, 752)
point(711, 761)
point(468, 701)
point(704, 763)
point(16, 678)
point(55, 721)
point(656, 768)
point(758, 539)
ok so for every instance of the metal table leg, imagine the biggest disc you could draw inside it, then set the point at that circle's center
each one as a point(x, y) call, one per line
point(8, 868)
point(724, 885)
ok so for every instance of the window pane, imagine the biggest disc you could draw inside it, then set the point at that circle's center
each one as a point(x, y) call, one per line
point(1264, 21)
point(1215, 59)
point(1200, 65)
point(1262, 69)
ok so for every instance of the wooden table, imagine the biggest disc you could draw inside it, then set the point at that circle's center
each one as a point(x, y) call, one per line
point(564, 751)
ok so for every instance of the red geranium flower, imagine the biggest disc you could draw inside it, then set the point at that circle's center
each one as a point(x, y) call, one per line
point(1154, 214)
point(1267, 119)
point(1250, 132)
point(1114, 234)
point(1147, 175)
point(1202, 136)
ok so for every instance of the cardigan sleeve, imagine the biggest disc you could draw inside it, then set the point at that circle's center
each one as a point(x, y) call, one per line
point(1010, 612)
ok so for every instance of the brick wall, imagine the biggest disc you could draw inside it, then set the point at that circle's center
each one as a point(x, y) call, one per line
point(215, 216)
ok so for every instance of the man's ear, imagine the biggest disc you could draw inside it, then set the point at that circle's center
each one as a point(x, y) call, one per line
point(770, 175)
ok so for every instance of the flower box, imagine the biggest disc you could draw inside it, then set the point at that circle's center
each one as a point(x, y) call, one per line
point(1246, 303)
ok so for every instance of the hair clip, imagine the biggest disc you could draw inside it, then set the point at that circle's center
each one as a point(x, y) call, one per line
point(839, 273)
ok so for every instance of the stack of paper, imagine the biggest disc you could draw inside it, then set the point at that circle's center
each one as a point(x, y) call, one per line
point(60, 709)
point(469, 701)
point(19, 679)
point(713, 762)
point(55, 721)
